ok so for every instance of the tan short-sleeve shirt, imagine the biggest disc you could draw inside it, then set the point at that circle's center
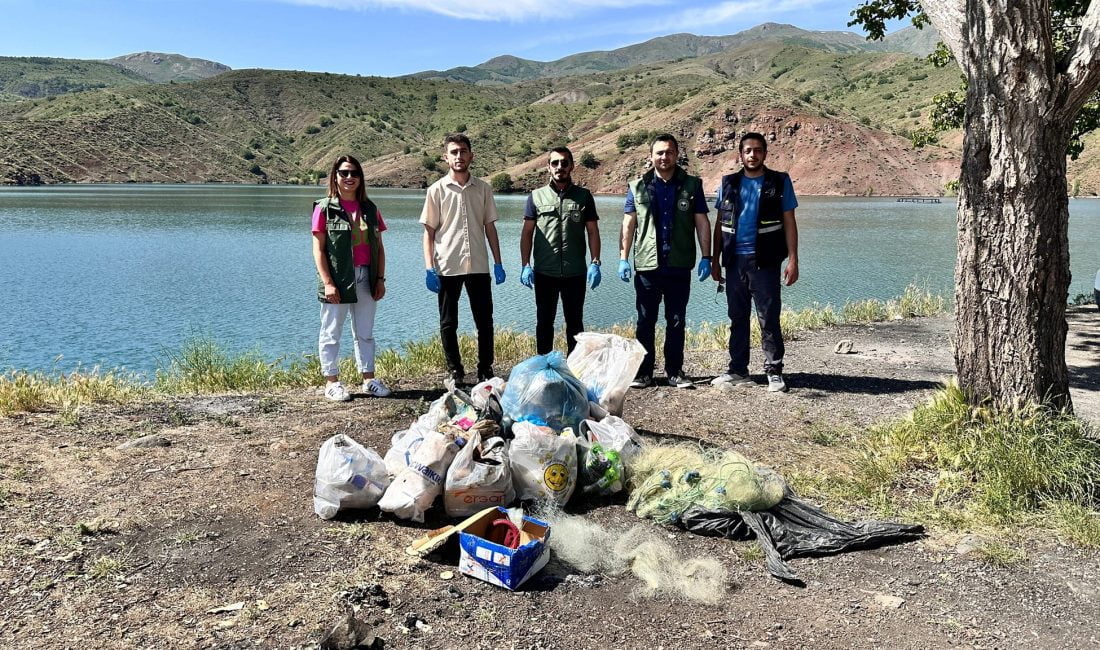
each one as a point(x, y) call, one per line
point(458, 214)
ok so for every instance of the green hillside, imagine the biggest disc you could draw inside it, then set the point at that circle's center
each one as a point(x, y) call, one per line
point(275, 126)
point(163, 68)
point(511, 69)
point(33, 77)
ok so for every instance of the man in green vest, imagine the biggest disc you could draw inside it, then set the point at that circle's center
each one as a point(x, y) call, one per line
point(555, 222)
point(665, 215)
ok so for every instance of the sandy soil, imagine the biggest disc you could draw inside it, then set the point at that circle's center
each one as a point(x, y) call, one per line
point(110, 548)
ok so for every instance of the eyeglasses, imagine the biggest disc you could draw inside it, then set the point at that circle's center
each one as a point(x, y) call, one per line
point(561, 162)
point(344, 173)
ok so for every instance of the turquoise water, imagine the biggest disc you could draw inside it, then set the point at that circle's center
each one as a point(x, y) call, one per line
point(117, 275)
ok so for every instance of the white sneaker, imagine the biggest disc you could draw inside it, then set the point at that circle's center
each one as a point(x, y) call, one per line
point(776, 383)
point(375, 388)
point(730, 378)
point(336, 392)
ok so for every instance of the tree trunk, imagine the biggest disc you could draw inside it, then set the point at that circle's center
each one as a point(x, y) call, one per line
point(1012, 274)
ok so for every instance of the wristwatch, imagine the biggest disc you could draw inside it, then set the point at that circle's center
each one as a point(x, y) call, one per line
point(596, 262)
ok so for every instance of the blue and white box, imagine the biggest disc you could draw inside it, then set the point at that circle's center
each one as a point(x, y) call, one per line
point(497, 564)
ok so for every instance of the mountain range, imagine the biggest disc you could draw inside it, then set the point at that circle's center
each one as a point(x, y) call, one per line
point(837, 111)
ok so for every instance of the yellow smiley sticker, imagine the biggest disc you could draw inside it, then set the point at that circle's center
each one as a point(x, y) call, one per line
point(556, 477)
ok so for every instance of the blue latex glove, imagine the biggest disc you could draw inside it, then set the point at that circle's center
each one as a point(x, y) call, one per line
point(593, 276)
point(624, 270)
point(704, 269)
point(431, 280)
point(527, 277)
point(498, 273)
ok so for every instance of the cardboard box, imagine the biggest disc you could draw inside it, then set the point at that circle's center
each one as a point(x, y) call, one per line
point(497, 564)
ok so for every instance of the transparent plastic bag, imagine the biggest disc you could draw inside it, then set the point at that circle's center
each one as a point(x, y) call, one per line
point(479, 477)
point(348, 476)
point(542, 389)
point(606, 364)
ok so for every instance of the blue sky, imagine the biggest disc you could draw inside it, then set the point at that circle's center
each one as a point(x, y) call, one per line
point(379, 37)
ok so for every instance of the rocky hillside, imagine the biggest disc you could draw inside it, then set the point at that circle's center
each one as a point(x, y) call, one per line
point(839, 120)
point(37, 77)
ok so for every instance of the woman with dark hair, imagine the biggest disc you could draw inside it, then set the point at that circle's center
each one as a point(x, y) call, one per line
point(351, 265)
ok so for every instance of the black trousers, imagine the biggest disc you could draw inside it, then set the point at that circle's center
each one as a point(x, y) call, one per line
point(548, 290)
point(673, 287)
point(745, 283)
point(480, 293)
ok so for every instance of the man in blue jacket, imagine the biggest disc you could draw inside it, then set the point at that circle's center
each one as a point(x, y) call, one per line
point(755, 231)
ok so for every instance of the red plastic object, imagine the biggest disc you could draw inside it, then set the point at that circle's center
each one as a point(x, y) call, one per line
point(502, 531)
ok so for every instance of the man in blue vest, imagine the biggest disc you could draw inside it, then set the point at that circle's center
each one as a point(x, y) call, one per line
point(755, 231)
point(665, 214)
point(556, 220)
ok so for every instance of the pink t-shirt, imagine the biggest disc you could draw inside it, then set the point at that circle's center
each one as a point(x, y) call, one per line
point(360, 248)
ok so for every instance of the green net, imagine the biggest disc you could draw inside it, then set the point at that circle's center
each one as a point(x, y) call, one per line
point(666, 480)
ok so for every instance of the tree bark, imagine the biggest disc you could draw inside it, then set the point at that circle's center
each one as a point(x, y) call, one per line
point(1012, 273)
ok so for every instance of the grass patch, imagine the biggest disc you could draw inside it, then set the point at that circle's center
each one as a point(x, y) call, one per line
point(105, 566)
point(30, 392)
point(961, 466)
point(203, 365)
point(999, 554)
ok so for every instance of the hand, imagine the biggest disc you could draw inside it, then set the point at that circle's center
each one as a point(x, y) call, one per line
point(431, 280)
point(498, 273)
point(704, 269)
point(790, 274)
point(332, 294)
point(593, 276)
point(527, 276)
point(624, 270)
point(379, 289)
point(716, 272)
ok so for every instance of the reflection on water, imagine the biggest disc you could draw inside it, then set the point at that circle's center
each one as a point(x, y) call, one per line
point(115, 275)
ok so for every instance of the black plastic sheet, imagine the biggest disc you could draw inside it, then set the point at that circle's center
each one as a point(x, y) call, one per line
point(793, 528)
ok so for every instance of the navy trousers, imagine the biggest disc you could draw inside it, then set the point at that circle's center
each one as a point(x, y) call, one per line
point(673, 287)
point(744, 284)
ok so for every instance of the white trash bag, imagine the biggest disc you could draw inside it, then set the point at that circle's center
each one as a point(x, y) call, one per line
point(478, 478)
point(606, 364)
point(615, 434)
point(416, 486)
point(348, 476)
point(544, 465)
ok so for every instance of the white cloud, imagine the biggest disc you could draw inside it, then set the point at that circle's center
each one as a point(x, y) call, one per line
point(708, 20)
point(486, 10)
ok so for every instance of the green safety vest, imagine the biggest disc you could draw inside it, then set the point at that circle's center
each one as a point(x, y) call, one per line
point(682, 253)
point(338, 238)
point(560, 227)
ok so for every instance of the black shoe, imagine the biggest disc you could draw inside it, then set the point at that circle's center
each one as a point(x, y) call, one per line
point(485, 376)
point(642, 381)
point(459, 376)
point(679, 381)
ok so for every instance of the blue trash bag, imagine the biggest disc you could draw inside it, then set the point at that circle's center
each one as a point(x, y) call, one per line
point(543, 390)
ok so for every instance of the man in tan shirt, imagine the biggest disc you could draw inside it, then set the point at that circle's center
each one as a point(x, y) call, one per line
point(459, 215)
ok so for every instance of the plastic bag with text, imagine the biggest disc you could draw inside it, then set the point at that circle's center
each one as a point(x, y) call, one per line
point(411, 494)
point(479, 477)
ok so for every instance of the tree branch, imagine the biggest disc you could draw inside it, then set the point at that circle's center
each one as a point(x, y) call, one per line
point(1083, 73)
point(948, 17)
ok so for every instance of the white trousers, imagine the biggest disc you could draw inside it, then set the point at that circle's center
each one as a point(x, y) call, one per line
point(362, 326)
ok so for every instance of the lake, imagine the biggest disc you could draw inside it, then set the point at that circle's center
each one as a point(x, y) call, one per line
point(116, 275)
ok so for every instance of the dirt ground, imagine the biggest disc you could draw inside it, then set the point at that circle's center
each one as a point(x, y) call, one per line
point(138, 548)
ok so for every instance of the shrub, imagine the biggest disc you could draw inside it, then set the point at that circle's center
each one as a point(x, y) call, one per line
point(588, 160)
point(502, 183)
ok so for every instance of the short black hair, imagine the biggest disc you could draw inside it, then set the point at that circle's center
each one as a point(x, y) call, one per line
point(459, 138)
point(561, 151)
point(752, 135)
point(665, 137)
